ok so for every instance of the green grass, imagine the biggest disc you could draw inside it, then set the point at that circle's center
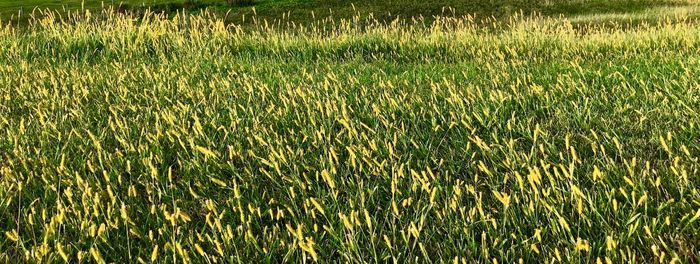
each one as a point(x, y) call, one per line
point(11, 8)
point(307, 11)
point(187, 140)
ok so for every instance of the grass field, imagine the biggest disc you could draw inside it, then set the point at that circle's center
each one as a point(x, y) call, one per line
point(186, 139)
point(308, 11)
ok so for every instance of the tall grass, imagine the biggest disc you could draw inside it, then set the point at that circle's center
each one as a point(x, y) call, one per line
point(184, 139)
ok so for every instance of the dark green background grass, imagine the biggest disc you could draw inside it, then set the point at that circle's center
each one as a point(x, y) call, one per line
point(309, 10)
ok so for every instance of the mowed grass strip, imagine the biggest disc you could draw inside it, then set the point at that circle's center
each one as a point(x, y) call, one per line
point(184, 139)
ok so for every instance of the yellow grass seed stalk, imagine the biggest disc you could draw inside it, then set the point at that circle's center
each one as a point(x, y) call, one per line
point(328, 179)
point(504, 198)
point(12, 235)
point(154, 254)
point(317, 205)
point(97, 256)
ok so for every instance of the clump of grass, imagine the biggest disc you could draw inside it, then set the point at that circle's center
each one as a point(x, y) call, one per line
point(165, 139)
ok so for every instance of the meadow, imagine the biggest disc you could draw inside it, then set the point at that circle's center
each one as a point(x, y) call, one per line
point(182, 138)
point(309, 11)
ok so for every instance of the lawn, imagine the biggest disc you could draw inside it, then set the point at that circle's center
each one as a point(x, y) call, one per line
point(148, 138)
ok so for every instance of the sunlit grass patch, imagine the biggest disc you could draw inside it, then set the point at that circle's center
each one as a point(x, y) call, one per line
point(654, 14)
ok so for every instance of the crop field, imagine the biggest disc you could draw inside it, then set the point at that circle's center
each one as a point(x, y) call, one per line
point(184, 139)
